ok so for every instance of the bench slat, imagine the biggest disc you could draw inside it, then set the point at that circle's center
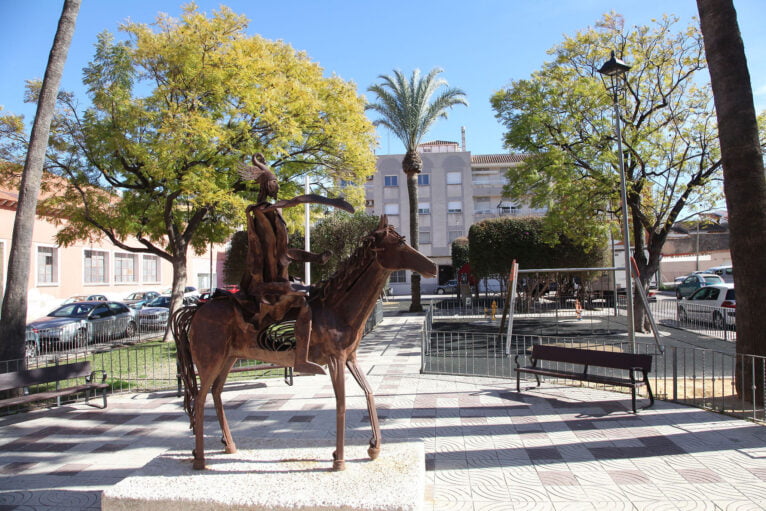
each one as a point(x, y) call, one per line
point(17, 379)
point(51, 394)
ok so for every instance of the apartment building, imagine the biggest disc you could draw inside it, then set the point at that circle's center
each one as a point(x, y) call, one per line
point(455, 190)
point(94, 267)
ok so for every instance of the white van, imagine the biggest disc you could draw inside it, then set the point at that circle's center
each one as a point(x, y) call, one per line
point(726, 272)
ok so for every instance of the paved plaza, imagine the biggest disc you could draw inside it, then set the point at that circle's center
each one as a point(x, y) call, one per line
point(487, 447)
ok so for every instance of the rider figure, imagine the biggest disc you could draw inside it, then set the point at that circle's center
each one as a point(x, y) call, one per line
point(266, 279)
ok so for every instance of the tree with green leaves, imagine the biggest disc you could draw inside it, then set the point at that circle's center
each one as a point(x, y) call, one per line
point(14, 306)
point(408, 107)
point(495, 243)
point(744, 183)
point(177, 108)
point(340, 234)
point(562, 116)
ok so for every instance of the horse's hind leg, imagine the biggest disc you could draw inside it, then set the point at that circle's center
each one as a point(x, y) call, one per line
point(356, 371)
point(337, 375)
point(228, 442)
point(199, 422)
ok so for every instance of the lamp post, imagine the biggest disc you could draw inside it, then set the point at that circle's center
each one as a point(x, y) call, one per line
point(615, 68)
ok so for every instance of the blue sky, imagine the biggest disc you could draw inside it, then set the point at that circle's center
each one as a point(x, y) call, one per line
point(482, 44)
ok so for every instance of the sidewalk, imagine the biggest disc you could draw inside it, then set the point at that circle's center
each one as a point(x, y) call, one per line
point(487, 447)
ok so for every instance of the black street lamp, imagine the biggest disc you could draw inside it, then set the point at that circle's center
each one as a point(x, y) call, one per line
point(615, 69)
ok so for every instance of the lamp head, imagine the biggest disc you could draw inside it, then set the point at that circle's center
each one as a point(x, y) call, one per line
point(614, 67)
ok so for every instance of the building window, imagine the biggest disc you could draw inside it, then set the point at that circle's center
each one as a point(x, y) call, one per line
point(125, 268)
point(453, 235)
point(47, 265)
point(391, 180)
point(95, 264)
point(391, 208)
point(398, 277)
point(454, 178)
point(482, 205)
point(507, 208)
point(424, 237)
point(369, 203)
point(454, 206)
point(150, 269)
point(424, 179)
point(424, 208)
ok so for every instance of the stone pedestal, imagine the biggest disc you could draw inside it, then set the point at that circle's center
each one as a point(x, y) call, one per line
point(277, 475)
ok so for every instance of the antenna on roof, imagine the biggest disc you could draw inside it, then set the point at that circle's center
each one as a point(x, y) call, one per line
point(462, 137)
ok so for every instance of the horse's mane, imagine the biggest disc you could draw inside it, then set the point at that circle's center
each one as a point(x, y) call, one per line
point(349, 270)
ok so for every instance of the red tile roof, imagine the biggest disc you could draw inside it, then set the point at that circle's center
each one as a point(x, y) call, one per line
point(438, 142)
point(8, 199)
point(498, 158)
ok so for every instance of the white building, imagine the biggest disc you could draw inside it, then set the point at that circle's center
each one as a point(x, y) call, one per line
point(455, 190)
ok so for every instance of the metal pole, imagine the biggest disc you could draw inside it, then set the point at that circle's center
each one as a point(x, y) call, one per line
point(625, 228)
point(307, 244)
point(697, 265)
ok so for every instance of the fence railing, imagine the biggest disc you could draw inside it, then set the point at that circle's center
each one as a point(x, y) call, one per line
point(137, 363)
point(704, 320)
point(704, 378)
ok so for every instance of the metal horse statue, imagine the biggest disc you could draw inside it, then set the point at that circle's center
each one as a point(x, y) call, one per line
point(214, 336)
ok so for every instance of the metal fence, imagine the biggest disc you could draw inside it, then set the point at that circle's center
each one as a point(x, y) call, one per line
point(699, 377)
point(139, 363)
point(715, 322)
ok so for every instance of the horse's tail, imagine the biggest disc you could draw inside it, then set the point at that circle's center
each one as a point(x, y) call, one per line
point(180, 323)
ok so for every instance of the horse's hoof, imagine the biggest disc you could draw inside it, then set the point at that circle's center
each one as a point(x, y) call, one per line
point(338, 465)
point(373, 452)
point(230, 449)
point(198, 464)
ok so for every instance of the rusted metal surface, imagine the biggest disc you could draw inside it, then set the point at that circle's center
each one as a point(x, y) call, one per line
point(327, 321)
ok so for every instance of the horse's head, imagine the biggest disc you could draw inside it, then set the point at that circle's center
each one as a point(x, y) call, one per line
point(392, 253)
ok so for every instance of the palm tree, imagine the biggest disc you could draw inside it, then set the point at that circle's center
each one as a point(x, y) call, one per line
point(14, 309)
point(409, 106)
point(744, 183)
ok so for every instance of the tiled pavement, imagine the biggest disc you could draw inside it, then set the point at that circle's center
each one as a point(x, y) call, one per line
point(487, 447)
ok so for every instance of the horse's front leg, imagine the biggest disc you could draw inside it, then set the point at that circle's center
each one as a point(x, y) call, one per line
point(229, 446)
point(337, 375)
point(356, 371)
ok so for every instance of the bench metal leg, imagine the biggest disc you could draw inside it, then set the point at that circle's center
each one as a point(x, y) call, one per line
point(649, 390)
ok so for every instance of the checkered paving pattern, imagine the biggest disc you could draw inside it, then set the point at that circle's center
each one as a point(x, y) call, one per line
point(487, 447)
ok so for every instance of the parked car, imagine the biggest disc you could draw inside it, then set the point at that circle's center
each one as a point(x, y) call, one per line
point(155, 314)
point(140, 298)
point(448, 287)
point(85, 298)
point(695, 281)
point(726, 272)
point(716, 303)
point(82, 323)
point(189, 291)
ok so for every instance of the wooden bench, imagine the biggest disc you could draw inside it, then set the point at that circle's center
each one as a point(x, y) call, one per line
point(589, 358)
point(246, 368)
point(50, 374)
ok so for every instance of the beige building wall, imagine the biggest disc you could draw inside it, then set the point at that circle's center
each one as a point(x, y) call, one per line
point(57, 273)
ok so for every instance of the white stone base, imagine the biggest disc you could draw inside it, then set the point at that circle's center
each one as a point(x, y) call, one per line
point(277, 475)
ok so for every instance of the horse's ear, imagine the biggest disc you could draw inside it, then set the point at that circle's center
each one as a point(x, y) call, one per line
point(383, 221)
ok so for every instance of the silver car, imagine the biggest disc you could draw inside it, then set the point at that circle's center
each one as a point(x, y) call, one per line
point(83, 323)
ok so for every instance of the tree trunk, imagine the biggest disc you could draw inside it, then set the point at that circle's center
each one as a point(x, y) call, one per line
point(178, 285)
point(14, 310)
point(744, 185)
point(412, 191)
